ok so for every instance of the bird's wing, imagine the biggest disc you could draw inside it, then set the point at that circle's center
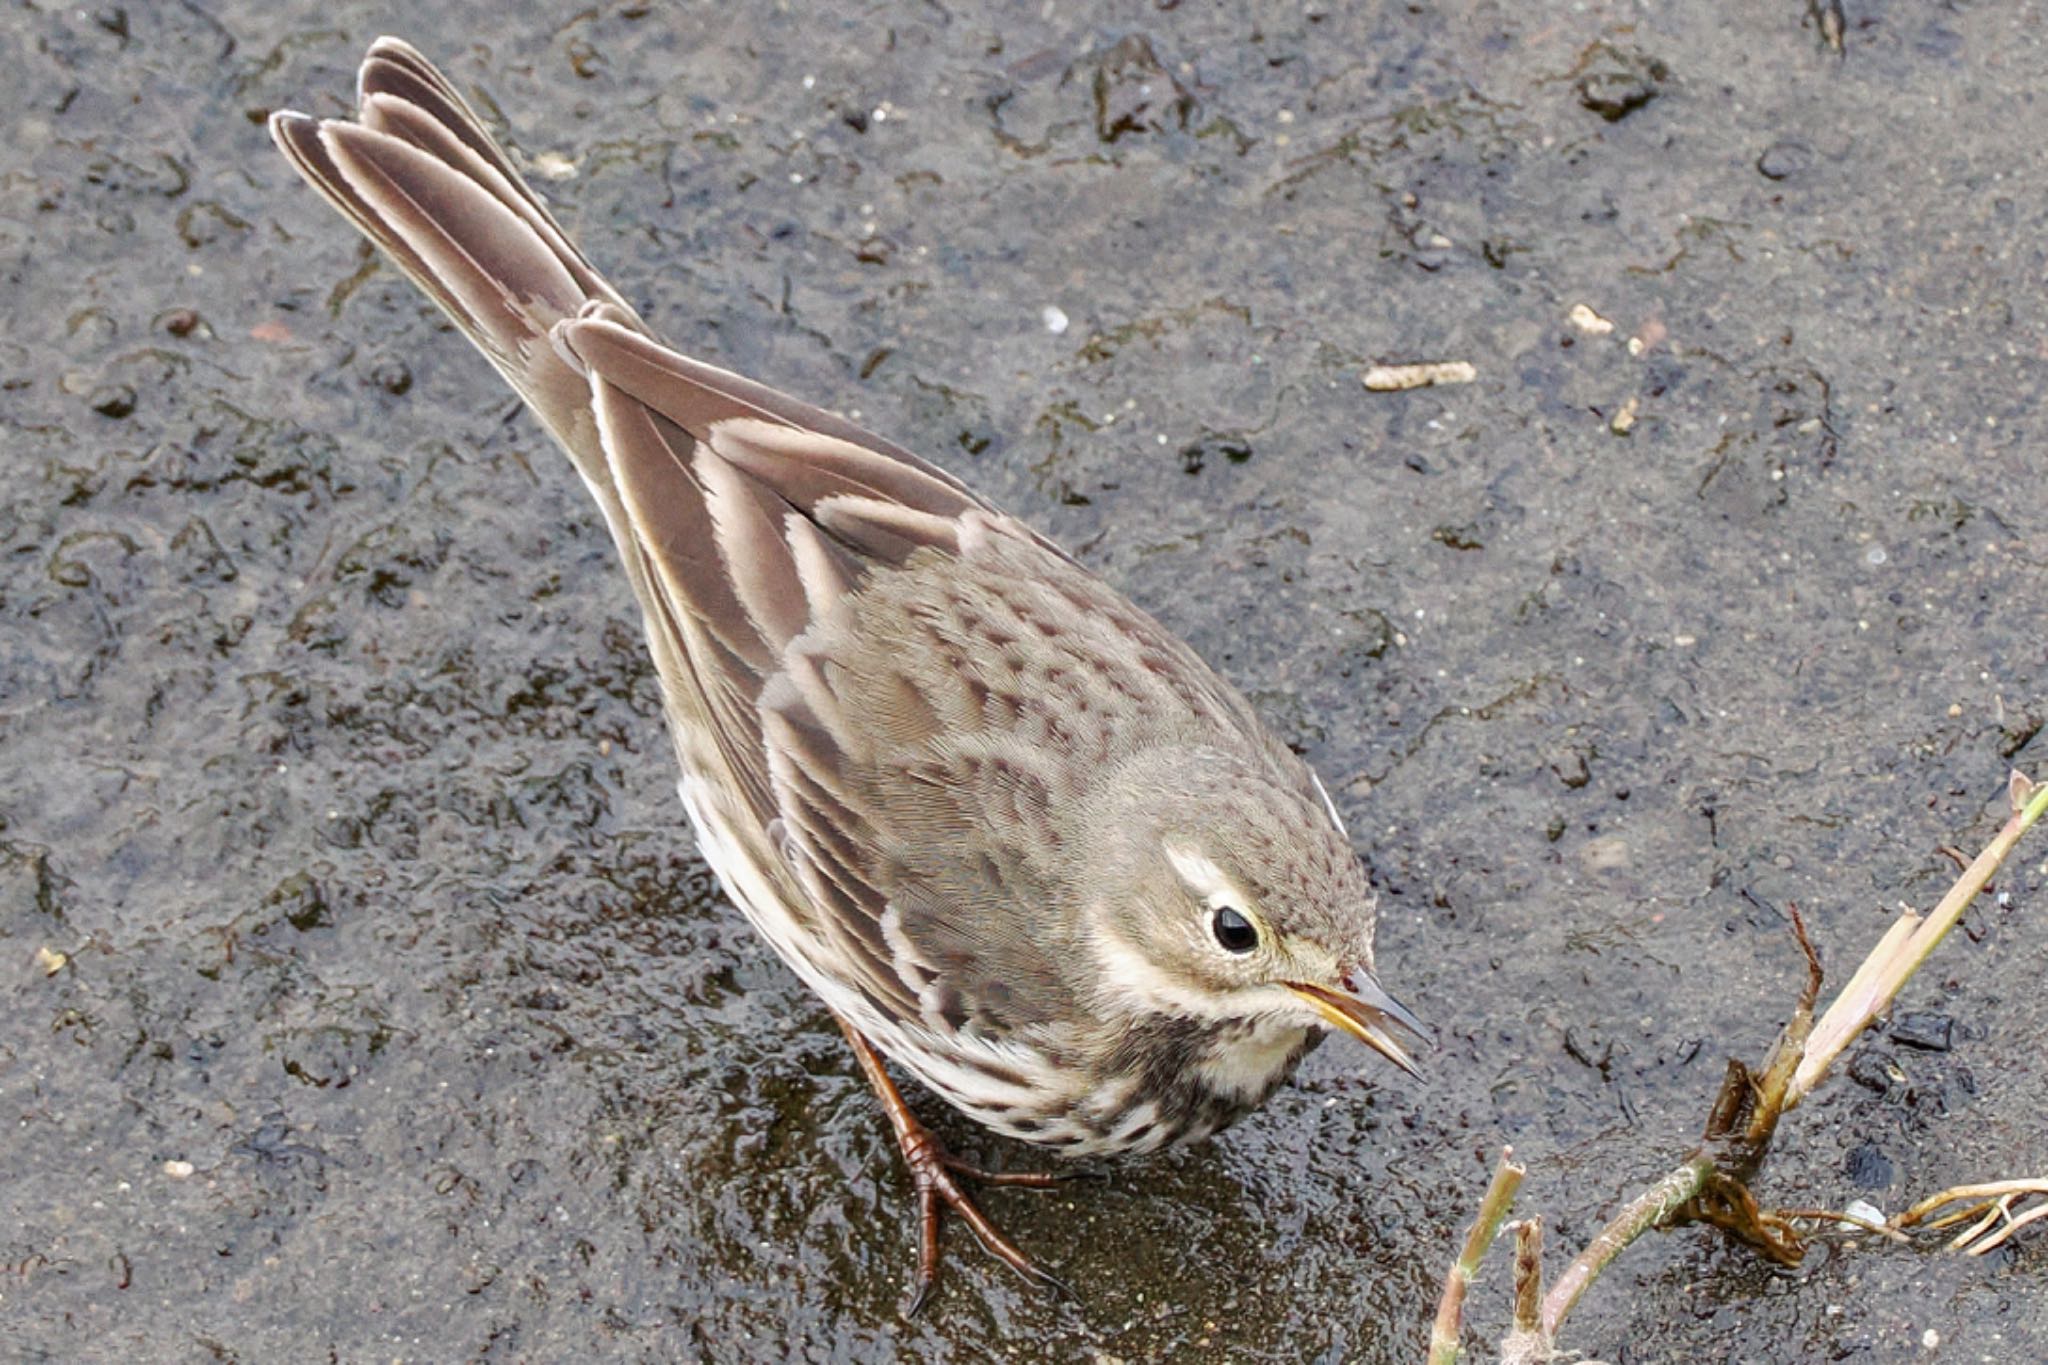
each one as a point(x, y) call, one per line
point(896, 678)
point(755, 522)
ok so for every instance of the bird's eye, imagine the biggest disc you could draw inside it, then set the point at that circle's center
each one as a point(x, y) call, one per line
point(1233, 930)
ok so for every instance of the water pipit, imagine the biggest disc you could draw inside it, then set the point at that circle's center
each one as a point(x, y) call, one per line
point(1017, 836)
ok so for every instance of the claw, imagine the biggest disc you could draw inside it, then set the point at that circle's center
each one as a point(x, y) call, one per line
point(1027, 1180)
point(932, 1171)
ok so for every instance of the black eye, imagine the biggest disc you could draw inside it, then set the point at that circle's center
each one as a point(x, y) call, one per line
point(1233, 930)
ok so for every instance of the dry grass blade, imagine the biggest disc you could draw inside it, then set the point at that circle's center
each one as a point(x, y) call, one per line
point(1907, 944)
point(1991, 1205)
point(1712, 1184)
point(1846, 1219)
point(2012, 1225)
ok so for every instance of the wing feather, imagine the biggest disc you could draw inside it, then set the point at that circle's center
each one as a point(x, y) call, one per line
point(827, 570)
point(887, 532)
point(806, 467)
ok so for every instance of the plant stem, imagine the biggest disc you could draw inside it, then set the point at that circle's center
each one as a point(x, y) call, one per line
point(1647, 1210)
point(1529, 1275)
point(1493, 1211)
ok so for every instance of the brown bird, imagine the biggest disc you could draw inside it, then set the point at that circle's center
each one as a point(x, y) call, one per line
point(1018, 837)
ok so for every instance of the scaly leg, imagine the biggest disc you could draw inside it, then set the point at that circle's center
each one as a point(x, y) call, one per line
point(932, 1172)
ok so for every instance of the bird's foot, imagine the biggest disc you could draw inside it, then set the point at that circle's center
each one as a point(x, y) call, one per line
point(1023, 1180)
point(935, 1176)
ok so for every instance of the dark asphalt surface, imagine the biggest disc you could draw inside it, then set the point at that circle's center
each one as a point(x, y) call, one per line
point(399, 1020)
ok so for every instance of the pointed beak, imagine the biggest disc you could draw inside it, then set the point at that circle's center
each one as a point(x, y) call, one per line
point(1363, 1009)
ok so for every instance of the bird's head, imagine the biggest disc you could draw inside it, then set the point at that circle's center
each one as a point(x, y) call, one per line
point(1222, 894)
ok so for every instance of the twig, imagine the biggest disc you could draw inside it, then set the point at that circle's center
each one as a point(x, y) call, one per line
point(1493, 1211)
point(1711, 1184)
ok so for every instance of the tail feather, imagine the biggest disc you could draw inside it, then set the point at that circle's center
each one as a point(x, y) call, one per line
point(419, 175)
point(402, 93)
point(482, 261)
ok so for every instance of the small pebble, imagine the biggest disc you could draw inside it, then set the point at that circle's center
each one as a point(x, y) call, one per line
point(1925, 1029)
point(113, 400)
point(1588, 321)
point(1619, 81)
point(1869, 1168)
point(391, 375)
point(1783, 159)
point(553, 166)
point(1605, 854)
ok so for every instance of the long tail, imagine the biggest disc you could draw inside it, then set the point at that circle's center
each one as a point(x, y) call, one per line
point(741, 515)
point(418, 174)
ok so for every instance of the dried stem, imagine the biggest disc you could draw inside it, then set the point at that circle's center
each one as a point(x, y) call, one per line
point(1907, 943)
point(1529, 1275)
point(1493, 1211)
point(1918, 1213)
point(1527, 1343)
point(1990, 1204)
point(2013, 1223)
point(1846, 1219)
point(1711, 1184)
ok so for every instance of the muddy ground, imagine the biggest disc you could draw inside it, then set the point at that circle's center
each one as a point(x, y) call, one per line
point(400, 1021)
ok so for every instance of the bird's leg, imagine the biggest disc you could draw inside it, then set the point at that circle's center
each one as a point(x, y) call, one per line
point(932, 1172)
